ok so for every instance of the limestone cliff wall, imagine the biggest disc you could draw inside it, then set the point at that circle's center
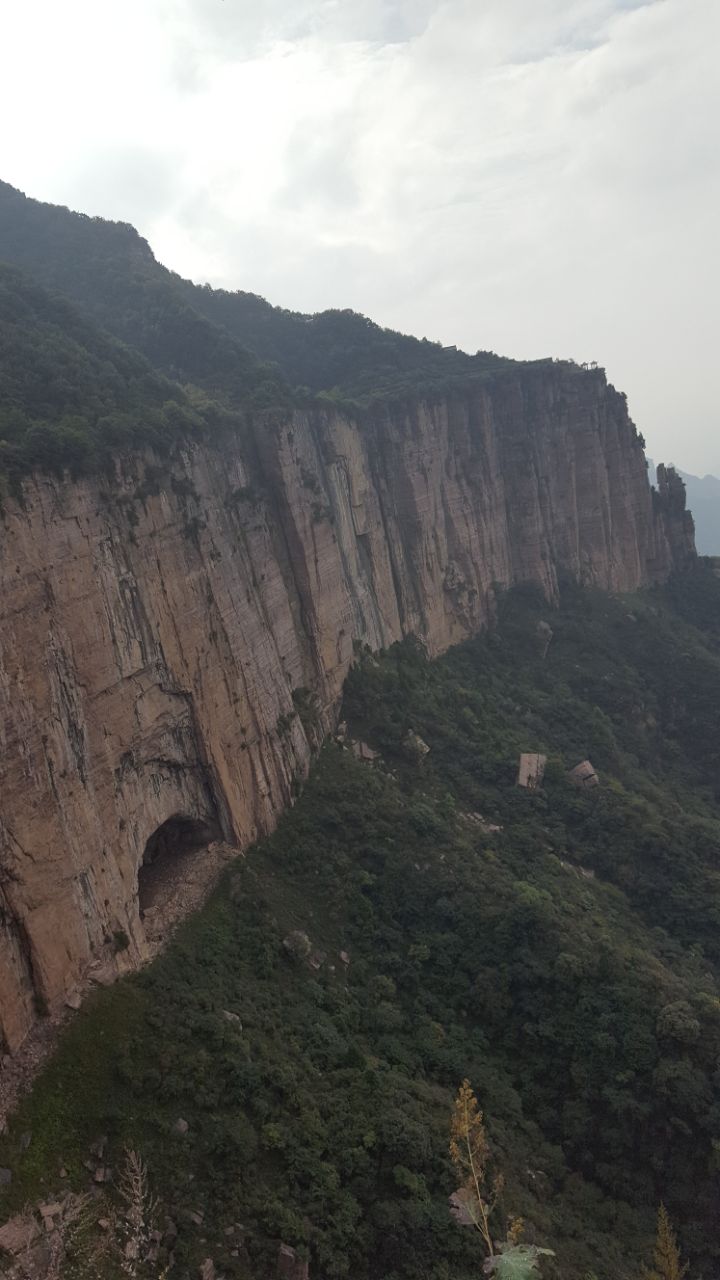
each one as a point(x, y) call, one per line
point(153, 629)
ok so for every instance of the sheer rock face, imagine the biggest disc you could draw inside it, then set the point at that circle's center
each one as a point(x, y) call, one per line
point(153, 629)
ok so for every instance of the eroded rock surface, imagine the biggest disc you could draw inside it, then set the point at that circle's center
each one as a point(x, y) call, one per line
point(173, 642)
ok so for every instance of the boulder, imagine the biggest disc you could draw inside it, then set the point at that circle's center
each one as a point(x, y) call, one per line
point(545, 635)
point(290, 1267)
point(104, 976)
point(584, 775)
point(298, 944)
point(362, 751)
point(531, 770)
point(19, 1233)
point(460, 1207)
point(52, 1210)
point(415, 746)
point(477, 820)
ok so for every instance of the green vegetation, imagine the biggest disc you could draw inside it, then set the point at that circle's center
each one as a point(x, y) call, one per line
point(136, 357)
point(666, 1255)
point(341, 353)
point(110, 272)
point(559, 949)
point(71, 396)
point(478, 1196)
point(234, 345)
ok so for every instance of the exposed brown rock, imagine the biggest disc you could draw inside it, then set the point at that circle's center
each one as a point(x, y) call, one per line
point(20, 1233)
point(584, 775)
point(362, 751)
point(150, 646)
point(297, 944)
point(477, 820)
point(52, 1210)
point(545, 635)
point(290, 1267)
point(415, 746)
point(461, 1207)
point(531, 770)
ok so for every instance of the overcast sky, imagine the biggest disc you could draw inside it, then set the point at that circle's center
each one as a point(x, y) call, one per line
point(537, 177)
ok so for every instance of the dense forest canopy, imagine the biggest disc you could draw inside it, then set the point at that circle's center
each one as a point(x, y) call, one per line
point(341, 350)
point(77, 380)
point(559, 948)
point(216, 356)
point(231, 343)
point(108, 270)
point(70, 394)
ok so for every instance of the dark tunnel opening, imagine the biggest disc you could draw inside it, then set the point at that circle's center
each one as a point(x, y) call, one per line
point(170, 846)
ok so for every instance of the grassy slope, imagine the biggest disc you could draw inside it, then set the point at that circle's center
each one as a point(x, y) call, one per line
point(585, 1011)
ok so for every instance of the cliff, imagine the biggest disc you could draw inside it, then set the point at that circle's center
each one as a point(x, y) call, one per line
point(174, 639)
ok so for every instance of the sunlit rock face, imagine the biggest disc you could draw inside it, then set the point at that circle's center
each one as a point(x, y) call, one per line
point(174, 642)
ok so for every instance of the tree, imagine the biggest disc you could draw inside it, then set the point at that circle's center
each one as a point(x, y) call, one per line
point(136, 1218)
point(470, 1153)
point(666, 1257)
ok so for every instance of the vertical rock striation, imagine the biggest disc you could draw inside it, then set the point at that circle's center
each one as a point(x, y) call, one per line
point(174, 643)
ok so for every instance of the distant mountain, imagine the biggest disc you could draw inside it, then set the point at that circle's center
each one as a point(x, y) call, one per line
point(703, 493)
point(703, 499)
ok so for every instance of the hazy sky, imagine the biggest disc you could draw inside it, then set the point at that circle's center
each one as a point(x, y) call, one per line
point(532, 176)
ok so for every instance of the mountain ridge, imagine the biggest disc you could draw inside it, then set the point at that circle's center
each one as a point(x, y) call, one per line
point(202, 552)
point(87, 257)
point(200, 557)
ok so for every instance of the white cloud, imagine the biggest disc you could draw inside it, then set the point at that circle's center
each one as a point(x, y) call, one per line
point(536, 176)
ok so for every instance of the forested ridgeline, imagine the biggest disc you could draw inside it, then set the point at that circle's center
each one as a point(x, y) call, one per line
point(107, 270)
point(230, 343)
point(287, 1069)
point(71, 395)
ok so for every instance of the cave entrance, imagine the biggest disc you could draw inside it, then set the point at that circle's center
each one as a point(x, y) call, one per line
point(168, 853)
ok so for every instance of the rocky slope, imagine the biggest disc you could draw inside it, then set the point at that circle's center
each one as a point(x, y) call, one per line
point(173, 643)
